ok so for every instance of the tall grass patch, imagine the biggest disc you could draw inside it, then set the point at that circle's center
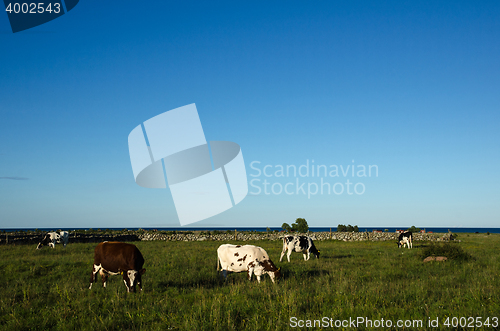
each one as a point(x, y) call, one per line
point(452, 251)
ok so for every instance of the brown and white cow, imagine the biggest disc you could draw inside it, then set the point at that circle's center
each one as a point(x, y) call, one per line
point(113, 258)
point(249, 258)
point(51, 238)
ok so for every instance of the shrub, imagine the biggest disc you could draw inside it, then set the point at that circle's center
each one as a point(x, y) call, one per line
point(451, 251)
point(348, 228)
point(413, 229)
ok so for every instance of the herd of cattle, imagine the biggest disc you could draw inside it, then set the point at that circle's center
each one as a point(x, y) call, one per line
point(114, 258)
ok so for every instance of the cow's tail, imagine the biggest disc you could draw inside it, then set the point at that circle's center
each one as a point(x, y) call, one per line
point(218, 262)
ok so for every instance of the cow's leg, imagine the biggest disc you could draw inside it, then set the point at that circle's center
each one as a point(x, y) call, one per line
point(52, 245)
point(288, 254)
point(93, 276)
point(258, 278)
point(283, 254)
point(224, 274)
point(104, 277)
point(250, 272)
point(306, 256)
point(127, 281)
point(126, 284)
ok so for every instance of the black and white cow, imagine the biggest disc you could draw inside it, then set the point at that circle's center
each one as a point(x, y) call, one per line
point(51, 238)
point(115, 258)
point(249, 258)
point(405, 238)
point(299, 244)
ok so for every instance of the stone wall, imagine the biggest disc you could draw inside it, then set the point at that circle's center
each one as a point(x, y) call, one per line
point(26, 238)
point(246, 236)
point(18, 238)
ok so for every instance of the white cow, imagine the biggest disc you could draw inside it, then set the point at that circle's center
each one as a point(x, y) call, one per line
point(51, 238)
point(249, 258)
point(299, 244)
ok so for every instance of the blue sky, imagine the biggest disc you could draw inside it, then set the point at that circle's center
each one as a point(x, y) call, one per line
point(410, 87)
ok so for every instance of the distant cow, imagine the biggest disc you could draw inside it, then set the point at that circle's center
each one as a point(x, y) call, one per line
point(405, 238)
point(249, 258)
point(51, 238)
point(299, 244)
point(113, 258)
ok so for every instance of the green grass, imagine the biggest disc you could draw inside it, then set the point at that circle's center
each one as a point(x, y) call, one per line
point(48, 289)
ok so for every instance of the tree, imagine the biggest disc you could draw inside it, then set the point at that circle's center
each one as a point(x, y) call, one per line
point(300, 225)
point(348, 228)
point(413, 229)
point(286, 227)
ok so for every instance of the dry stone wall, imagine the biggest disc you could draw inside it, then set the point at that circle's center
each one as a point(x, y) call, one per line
point(81, 236)
point(246, 236)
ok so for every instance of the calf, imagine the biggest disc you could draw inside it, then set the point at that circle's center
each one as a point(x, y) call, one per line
point(249, 258)
point(113, 258)
point(405, 238)
point(299, 244)
point(51, 238)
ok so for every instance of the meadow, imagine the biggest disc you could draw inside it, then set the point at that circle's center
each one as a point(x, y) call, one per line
point(48, 289)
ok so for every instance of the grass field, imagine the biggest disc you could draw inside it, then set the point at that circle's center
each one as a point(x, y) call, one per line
point(48, 289)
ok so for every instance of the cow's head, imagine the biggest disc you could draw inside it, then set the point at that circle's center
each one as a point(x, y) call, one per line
point(132, 278)
point(403, 242)
point(271, 270)
point(45, 241)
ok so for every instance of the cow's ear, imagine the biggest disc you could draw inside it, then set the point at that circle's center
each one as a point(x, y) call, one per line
point(142, 271)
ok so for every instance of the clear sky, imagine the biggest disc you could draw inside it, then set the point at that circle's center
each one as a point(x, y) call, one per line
point(412, 87)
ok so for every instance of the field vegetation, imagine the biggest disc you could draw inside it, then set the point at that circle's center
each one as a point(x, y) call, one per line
point(48, 289)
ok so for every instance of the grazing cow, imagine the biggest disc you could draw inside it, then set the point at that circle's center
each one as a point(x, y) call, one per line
point(113, 258)
point(405, 238)
point(249, 258)
point(51, 238)
point(299, 244)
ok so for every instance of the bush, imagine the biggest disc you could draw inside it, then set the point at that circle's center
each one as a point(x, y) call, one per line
point(348, 228)
point(451, 251)
point(413, 229)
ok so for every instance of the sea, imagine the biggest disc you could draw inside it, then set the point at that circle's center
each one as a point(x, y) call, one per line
point(264, 229)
